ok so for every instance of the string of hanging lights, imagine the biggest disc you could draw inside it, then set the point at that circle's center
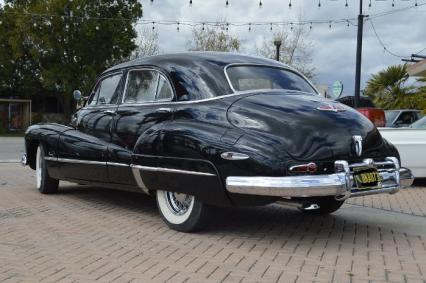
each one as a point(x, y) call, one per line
point(225, 24)
point(228, 3)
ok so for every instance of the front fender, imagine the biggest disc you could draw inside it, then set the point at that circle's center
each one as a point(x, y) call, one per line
point(46, 134)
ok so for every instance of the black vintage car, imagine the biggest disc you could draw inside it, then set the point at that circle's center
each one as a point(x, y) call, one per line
point(201, 130)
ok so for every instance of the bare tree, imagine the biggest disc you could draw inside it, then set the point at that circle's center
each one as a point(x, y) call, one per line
point(296, 49)
point(213, 38)
point(147, 45)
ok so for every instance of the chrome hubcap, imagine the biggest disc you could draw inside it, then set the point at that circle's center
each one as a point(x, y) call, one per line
point(178, 203)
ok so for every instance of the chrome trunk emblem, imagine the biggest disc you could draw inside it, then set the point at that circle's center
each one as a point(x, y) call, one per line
point(331, 107)
point(357, 145)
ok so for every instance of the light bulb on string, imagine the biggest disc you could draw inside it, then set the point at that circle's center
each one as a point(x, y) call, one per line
point(310, 26)
point(415, 4)
point(203, 27)
point(249, 27)
point(329, 24)
point(291, 26)
point(153, 25)
point(347, 23)
point(190, 3)
point(260, 4)
point(227, 26)
point(289, 4)
point(151, 1)
point(393, 3)
point(227, 4)
point(319, 3)
point(270, 27)
point(369, 4)
point(346, 3)
point(177, 27)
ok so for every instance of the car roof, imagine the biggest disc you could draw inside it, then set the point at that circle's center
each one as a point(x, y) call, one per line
point(181, 59)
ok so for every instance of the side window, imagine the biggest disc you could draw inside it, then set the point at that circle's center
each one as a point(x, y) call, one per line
point(164, 90)
point(141, 86)
point(109, 90)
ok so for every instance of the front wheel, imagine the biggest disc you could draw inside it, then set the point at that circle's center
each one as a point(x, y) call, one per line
point(182, 212)
point(45, 184)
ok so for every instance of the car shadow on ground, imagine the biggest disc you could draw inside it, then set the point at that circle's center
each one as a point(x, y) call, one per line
point(419, 182)
point(265, 222)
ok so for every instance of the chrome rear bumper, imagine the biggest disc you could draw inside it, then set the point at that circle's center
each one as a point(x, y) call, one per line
point(340, 184)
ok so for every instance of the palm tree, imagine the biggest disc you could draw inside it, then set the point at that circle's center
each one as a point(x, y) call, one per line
point(387, 88)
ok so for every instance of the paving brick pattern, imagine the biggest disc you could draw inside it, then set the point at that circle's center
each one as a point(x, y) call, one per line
point(87, 234)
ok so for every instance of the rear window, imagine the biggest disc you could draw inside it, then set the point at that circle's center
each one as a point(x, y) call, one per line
point(244, 78)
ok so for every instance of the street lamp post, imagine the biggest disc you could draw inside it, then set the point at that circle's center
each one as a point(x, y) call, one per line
point(358, 55)
point(277, 43)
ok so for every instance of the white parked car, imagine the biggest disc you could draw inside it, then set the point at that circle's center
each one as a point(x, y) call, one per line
point(411, 144)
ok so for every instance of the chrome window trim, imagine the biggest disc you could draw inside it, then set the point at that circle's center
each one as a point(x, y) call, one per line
point(170, 170)
point(202, 100)
point(287, 68)
point(160, 73)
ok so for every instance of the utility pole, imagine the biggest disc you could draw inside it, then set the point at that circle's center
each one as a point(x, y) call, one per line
point(359, 55)
point(277, 43)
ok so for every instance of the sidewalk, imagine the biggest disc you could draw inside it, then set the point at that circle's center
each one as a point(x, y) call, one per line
point(86, 234)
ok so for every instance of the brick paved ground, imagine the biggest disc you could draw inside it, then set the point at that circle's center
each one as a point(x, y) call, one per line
point(86, 234)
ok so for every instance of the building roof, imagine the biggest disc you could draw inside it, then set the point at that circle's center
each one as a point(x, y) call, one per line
point(418, 69)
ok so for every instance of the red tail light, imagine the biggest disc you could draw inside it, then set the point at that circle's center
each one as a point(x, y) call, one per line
point(376, 115)
point(304, 168)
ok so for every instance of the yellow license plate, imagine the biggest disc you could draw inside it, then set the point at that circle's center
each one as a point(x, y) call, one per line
point(367, 178)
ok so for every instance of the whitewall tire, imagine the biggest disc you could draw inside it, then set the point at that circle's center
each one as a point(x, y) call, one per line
point(182, 212)
point(45, 184)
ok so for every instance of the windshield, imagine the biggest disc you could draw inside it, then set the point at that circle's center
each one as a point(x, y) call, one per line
point(391, 115)
point(247, 77)
point(420, 124)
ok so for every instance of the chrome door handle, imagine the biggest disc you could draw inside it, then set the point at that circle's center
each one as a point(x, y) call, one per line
point(110, 112)
point(164, 110)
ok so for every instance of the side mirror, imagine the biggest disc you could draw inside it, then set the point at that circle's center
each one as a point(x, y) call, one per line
point(77, 95)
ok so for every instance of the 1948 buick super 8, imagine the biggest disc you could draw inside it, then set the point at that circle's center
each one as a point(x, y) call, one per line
point(200, 130)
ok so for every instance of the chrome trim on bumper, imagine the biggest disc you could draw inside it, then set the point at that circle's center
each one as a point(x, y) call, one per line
point(340, 184)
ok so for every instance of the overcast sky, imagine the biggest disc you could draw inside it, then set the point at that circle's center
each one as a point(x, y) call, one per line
point(334, 51)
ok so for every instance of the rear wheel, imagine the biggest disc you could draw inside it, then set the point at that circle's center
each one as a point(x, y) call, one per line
point(326, 205)
point(45, 184)
point(182, 212)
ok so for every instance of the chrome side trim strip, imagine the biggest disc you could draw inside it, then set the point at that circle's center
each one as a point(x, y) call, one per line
point(50, 158)
point(117, 164)
point(67, 160)
point(170, 170)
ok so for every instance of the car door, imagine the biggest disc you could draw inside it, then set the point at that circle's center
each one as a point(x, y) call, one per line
point(83, 151)
point(136, 135)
